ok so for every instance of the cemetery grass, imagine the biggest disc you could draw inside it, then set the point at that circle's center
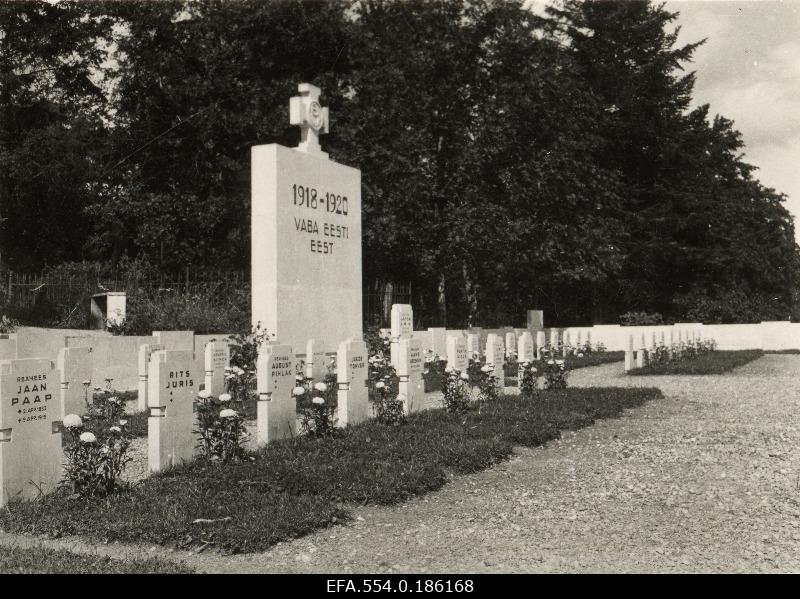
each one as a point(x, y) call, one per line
point(300, 485)
point(716, 362)
point(41, 560)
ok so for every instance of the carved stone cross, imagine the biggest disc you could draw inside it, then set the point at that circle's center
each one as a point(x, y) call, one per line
point(304, 110)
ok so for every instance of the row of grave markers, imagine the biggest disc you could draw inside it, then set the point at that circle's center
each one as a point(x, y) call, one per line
point(641, 347)
point(36, 394)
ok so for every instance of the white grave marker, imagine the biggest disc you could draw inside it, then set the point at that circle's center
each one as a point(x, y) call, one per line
point(306, 236)
point(409, 371)
point(495, 356)
point(525, 348)
point(352, 374)
point(30, 441)
point(217, 357)
point(402, 328)
point(541, 343)
point(511, 344)
point(75, 366)
point(173, 387)
point(276, 412)
point(315, 361)
point(474, 346)
point(145, 351)
point(457, 356)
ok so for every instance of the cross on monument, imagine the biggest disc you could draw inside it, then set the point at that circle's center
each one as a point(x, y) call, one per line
point(305, 110)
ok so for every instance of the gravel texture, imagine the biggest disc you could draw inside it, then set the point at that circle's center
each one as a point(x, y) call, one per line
point(706, 480)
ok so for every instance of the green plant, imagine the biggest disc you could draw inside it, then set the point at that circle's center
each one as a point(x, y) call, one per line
point(220, 427)
point(455, 397)
point(316, 403)
point(487, 384)
point(8, 325)
point(92, 464)
point(387, 405)
point(528, 381)
point(554, 371)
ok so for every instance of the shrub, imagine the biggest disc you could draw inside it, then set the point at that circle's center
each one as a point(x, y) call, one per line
point(220, 427)
point(387, 405)
point(316, 403)
point(93, 464)
point(8, 325)
point(528, 380)
point(640, 319)
point(455, 397)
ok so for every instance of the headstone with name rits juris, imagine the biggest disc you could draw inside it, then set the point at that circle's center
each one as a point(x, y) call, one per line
point(217, 357)
point(75, 366)
point(402, 322)
point(276, 411)
point(173, 387)
point(352, 374)
point(30, 438)
point(457, 357)
point(410, 365)
point(306, 235)
point(145, 351)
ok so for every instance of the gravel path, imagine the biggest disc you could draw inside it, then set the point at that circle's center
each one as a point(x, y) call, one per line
point(706, 480)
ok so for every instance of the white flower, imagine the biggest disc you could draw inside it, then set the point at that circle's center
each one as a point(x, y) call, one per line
point(87, 383)
point(525, 364)
point(534, 370)
point(228, 414)
point(299, 377)
point(580, 355)
point(465, 376)
point(321, 387)
point(97, 388)
point(228, 368)
point(238, 370)
point(113, 399)
point(104, 449)
point(559, 362)
point(486, 368)
point(123, 422)
point(298, 391)
point(449, 369)
point(204, 394)
point(380, 385)
point(115, 429)
point(551, 362)
point(318, 400)
point(88, 437)
point(72, 421)
point(225, 397)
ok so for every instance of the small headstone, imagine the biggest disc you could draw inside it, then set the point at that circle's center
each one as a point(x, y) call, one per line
point(217, 356)
point(173, 387)
point(457, 356)
point(315, 360)
point(554, 339)
point(629, 359)
point(474, 346)
point(495, 356)
point(525, 348)
point(276, 412)
point(75, 366)
point(145, 351)
point(438, 341)
point(541, 343)
point(511, 344)
point(30, 441)
point(352, 374)
point(402, 328)
point(409, 370)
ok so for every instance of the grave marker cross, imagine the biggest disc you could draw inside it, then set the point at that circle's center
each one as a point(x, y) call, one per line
point(305, 110)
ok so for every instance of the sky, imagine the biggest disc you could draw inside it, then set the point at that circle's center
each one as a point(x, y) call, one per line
point(749, 71)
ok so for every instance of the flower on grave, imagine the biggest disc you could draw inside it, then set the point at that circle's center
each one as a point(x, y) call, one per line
point(551, 362)
point(115, 429)
point(98, 388)
point(318, 401)
point(299, 377)
point(486, 368)
point(72, 421)
point(113, 399)
point(228, 414)
point(204, 394)
point(123, 422)
point(88, 437)
point(465, 376)
point(298, 391)
point(559, 362)
point(225, 397)
point(526, 364)
point(580, 355)
point(228, 368)
point(238, 370)
point(321, 387)
point(380, 385)
point(104, 450)
point(449, 369)
point(87, 383)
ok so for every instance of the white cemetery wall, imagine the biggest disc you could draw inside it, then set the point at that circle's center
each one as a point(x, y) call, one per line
point(30, 441)
point(8, 346)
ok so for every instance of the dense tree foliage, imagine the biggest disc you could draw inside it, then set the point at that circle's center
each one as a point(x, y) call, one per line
point(510, 160)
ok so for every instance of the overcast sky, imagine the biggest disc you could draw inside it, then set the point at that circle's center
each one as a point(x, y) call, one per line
point(749, 71)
